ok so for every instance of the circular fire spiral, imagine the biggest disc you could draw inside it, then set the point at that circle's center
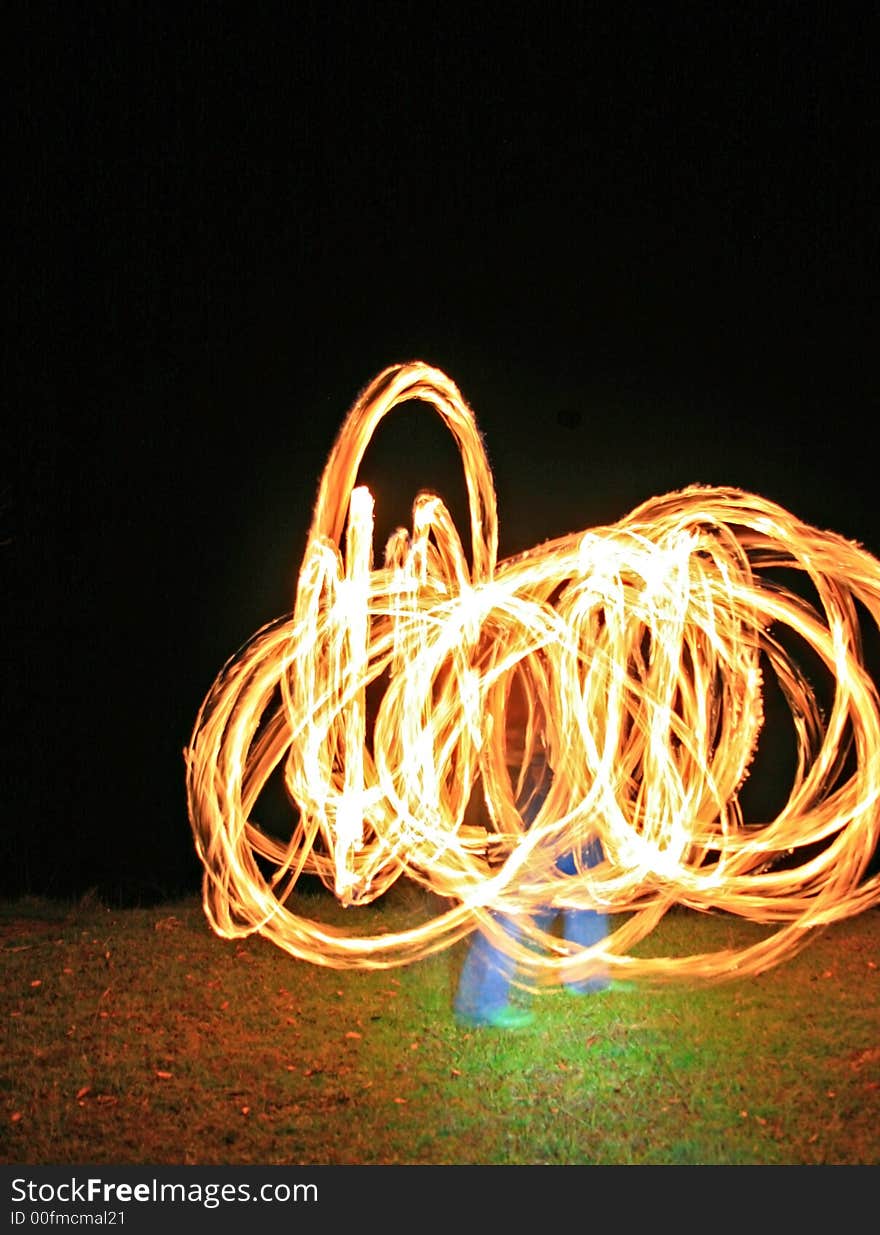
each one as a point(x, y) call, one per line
point(404, 703)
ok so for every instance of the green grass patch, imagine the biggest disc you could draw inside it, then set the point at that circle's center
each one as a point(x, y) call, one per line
point(138, 1037)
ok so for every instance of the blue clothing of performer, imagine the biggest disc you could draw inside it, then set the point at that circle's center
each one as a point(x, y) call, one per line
point(485, 983)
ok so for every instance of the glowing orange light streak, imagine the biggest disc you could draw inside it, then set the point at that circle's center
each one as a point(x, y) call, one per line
point(638, 653)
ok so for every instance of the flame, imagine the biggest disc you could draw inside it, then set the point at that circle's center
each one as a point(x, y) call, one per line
point(633, 657)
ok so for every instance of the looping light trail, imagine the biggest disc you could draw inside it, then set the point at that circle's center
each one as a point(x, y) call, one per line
point(405, 702)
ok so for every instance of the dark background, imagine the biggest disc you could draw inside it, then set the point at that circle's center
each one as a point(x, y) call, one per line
point(643, 244)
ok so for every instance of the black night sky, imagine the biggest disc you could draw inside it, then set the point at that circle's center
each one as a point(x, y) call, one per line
point(644, 246)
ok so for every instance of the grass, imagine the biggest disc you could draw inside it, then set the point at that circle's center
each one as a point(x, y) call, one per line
point(138, 1037)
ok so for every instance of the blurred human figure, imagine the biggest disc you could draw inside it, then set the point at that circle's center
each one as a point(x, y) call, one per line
point(485, 985)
